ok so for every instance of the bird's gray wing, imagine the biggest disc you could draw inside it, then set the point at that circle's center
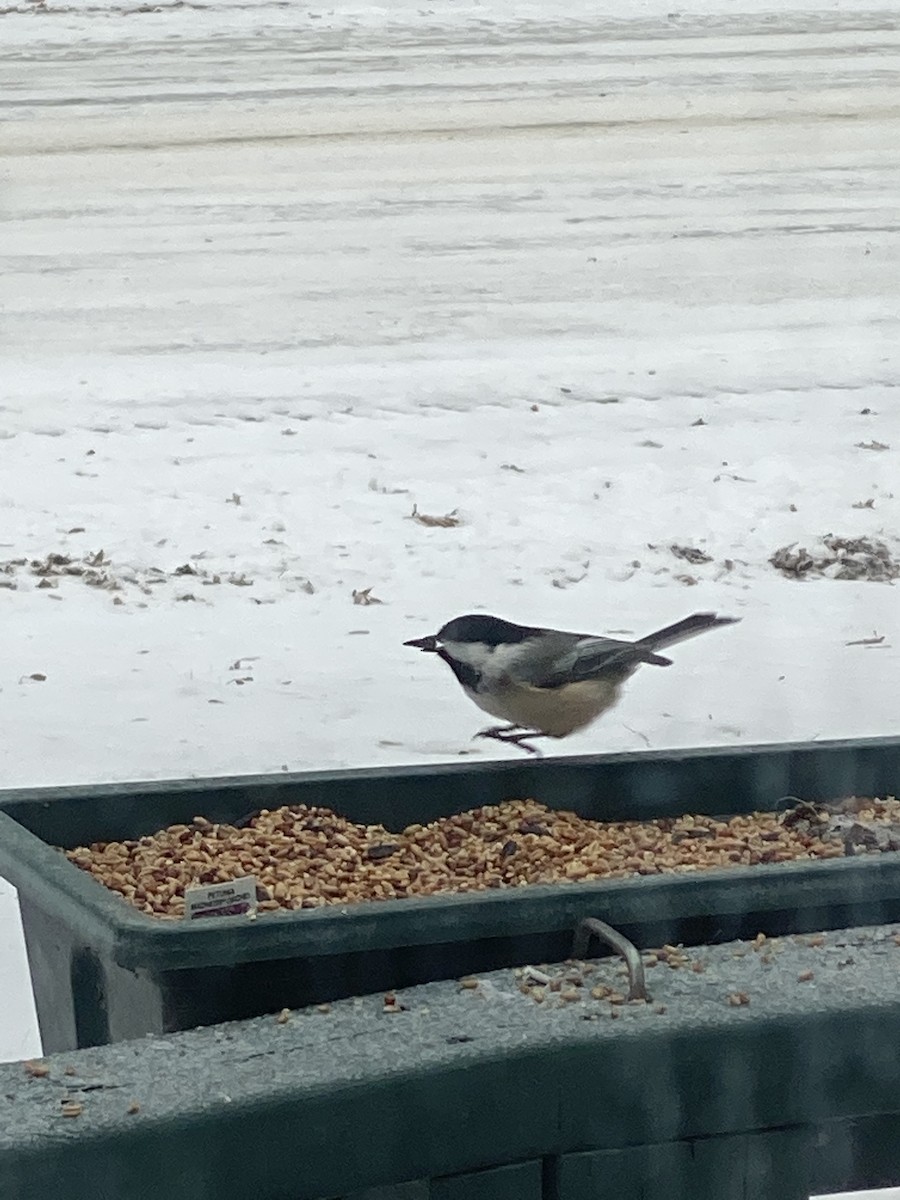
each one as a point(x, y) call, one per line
point(565, 658)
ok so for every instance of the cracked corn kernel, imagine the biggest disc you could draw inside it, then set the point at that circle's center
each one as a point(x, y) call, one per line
point(306, 857)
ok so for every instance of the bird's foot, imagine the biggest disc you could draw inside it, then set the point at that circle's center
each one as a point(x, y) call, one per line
point(506, 734)
point(495, 731)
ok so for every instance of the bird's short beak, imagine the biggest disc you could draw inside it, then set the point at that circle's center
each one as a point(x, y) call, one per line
point(425, 643)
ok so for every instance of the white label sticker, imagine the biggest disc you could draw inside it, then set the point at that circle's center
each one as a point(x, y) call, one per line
point(234, 899)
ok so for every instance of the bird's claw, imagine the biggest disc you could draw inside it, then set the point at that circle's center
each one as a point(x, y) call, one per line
point(495, 731)
point(506, 734)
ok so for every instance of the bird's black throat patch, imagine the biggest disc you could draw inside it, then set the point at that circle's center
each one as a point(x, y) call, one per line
point(467, 675)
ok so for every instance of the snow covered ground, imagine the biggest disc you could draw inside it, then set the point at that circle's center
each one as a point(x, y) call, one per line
point(596, 286)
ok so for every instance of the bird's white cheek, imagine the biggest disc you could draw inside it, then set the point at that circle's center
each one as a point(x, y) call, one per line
point(504, 659)
point(474, 654)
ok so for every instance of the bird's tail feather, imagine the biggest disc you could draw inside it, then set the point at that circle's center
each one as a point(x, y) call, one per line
point(682, 630)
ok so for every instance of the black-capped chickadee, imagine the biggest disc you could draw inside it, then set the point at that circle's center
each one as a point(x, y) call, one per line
point(543, 682)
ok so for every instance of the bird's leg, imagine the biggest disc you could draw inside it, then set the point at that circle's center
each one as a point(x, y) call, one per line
point(504, 733)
